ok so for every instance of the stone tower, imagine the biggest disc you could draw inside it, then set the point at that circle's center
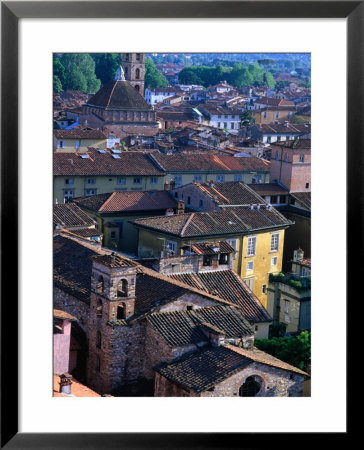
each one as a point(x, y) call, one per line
point(134, 70)
point(112, 301)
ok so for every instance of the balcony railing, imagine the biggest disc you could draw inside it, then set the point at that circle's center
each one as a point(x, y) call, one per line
point(292, 279)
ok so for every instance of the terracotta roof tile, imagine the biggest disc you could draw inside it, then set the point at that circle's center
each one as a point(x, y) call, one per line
point(228, 285)
point(119, 95)
point(231, 193)
point(230, 220)
point(70, 215)
point(129, 163)
point(128, 201)
point(180, 328)
point(76, 133)
point(208, 163)
point(59, 314)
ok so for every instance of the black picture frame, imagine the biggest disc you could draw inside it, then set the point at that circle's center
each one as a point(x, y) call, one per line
point(11, 12)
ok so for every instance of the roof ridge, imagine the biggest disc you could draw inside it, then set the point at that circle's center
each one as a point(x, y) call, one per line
point(186, 224)
point(258, 358)
point(107, 201)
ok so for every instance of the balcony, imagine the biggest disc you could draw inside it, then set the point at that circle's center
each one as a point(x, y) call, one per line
point(291, 279)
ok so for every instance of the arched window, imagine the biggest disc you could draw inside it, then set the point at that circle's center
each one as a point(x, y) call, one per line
point(120, 314)
point(98, 364)
point(122, 288)
point(126, 71)
point(137, 74)
point(137, 87)
point(138, 56)
point(251, 387)
point(98, 339)
point(100, 285)
point(99, 308)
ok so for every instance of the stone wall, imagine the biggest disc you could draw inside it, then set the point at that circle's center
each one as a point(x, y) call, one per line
point(274, 383)
point(189, 299)
point(73, 306)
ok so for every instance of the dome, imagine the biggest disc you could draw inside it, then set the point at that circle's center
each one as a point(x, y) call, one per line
point(119, 95)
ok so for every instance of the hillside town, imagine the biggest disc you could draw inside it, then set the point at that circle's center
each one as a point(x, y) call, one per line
point(182, 225)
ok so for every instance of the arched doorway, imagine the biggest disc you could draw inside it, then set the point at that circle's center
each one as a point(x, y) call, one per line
point(251, 387)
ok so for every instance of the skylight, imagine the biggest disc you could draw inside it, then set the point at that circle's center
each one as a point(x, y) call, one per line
point(84, 156)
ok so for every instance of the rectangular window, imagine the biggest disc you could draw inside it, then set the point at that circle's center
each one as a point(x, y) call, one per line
point(251, 246)
point(77, 145)
point(273, 199)
point(307, 185)
point(302, 158)
point(197, 178)
point(286, 306)
point(218, 124)
point(68, 181)
point(201, 203)
point(232, 125)
point(220, 178)
point(91, 180)
point(232, 242)
point(68, 195)
point(61, 144)
point(178, 180)
point(225, 124)
point(274, 243)
point(273, 261)
point(238, 178)
point(265, 114)
point(172, 246)
point(121, 180)
point(264, 289)
point(250, 265)
point(113, 235)
point(137, 180)
point(153, 180)
point(282, 199)
point(90, 192)
point(188, 200)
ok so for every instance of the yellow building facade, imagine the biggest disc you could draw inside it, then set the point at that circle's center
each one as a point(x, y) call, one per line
point(254, 259)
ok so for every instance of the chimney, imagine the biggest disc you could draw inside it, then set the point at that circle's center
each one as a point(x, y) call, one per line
point(180, 207)
point(65, 383)
point(215, 335)
point(166, 186)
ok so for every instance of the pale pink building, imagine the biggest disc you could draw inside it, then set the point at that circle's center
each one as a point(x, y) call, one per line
point(64, 360)
point(291, 165)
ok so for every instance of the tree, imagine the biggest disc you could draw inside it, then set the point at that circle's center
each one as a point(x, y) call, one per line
point(153, 76)
point(80, 73)
point(106, 65)
point(246, 119)
point(57, 85)
point(293, 350)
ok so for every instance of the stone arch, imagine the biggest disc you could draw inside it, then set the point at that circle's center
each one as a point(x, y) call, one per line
point(252, 386)
point(122, 289)
point(99, 308)
point(100, 288)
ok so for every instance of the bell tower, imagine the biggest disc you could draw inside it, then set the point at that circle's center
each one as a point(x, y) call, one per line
point(112, 301)
point(133, 65)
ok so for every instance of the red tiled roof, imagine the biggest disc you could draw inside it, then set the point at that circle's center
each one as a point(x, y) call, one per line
point(231, 193)
point(129, 163)
point(119, 95)
point(268, 188)
point(282, 128)
point(227, 221)
point(212, 248)
point(70, 215)
point(77, 389)
point(76, 133)
point(128, 201)
point(273, 102)
point(228, 285)
point(208, 163)
point(59, 314)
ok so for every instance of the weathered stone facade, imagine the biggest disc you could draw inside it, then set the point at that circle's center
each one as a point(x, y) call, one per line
point(73, 306)
point(274, 383)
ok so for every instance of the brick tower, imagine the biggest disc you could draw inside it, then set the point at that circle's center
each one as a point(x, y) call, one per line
point(112, 301)
point(134, 70)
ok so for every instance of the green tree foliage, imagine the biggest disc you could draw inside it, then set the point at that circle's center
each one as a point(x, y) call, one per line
point(106, 65)
point(293, 350)
point(76, 71)
point(57, 85)
point(266, 62)
point(297, 119)
point(153, 76)
point(239, 75)
point(246, 119)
